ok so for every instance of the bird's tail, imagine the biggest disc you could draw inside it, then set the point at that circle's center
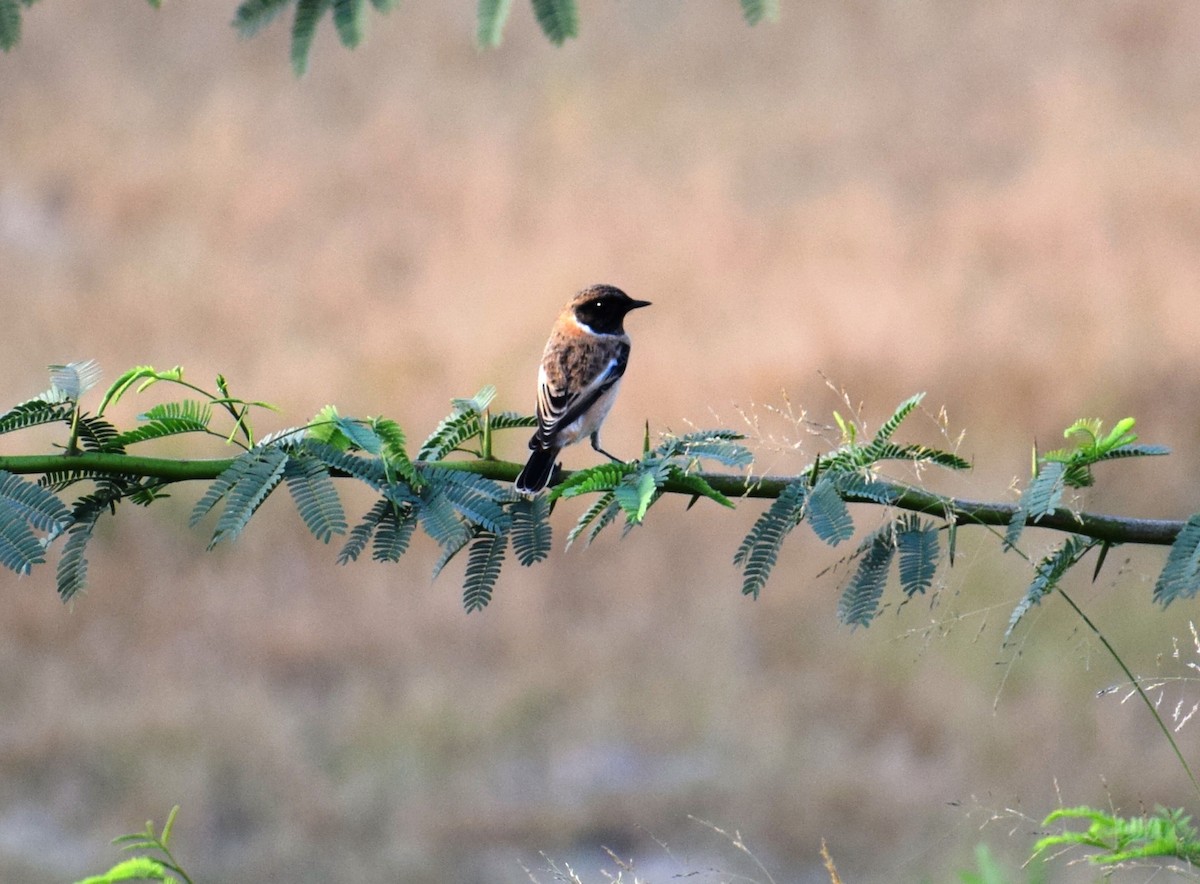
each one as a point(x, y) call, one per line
point(538, 470)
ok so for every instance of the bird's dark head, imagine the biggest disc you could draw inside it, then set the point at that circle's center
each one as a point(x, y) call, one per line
point(602, 308)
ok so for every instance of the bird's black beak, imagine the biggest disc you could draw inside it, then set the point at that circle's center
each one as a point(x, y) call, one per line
point(633, 305)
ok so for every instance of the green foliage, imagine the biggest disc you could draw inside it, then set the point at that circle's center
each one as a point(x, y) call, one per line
point(156, 862)
point(917, 542)
point(819, 497)
point(531, 533)
point(755, 11)
point(1049, 572)
point(491, 16)
point(1163, 834)
point(483, 569)
point(860, 599)
point(467, 502)
point(1064, 468)
point(1180, 577)
point(558, 20)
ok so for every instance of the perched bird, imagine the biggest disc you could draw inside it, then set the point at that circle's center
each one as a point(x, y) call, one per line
point(581, 370)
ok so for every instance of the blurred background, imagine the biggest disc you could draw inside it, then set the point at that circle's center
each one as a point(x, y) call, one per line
point(998, 204)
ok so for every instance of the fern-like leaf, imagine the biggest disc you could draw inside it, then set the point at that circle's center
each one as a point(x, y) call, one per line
point(903, 410)
point(316, 499)
point(1049, 572)
point(826, 512)
point(452, 432)
point(755, 11)
point(490, 17)
point(475, 497)
point(698, 485)
point(350, 19)
point(450, 550)
point(559, 19)
point(1045, 492)
point(31, 503)
point(97, 434)
point(254, 15)
point(634, 494)
point(721, 446)
point(483, 569)
point(10, 24)
point(1134, 451)
point(532, 537)
point(917, 542)
point(360, 534)
point(859, 604)
point(167, 419)
point(394, 453)
point(34, 413)
point(760, 549)
point(607, 504)
point(858, 486)
point(440, 520)
point(263, 471)
point(20, 548)
point(304, 28)
point(1180, 577)
point(394, 534)
point(603, 477)
point(368, 470)
point(71, 575)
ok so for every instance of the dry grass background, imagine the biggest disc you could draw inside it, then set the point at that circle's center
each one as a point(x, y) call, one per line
point(996, 203)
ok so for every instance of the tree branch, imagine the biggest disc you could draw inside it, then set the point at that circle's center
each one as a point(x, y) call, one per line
point(1101, 526)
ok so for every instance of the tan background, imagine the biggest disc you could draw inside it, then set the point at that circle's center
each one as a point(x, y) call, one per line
point(996, 203)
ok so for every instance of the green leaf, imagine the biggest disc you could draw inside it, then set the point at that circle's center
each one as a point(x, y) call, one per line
point(147, 374)
point(826, 512)
point(316, 499)
point(167, 419)
point(10, 24)
point(394, 454)
point(35, 413)
point(755, 11)
point(73, 564)
point(452, 432)
point(361, 434)
point(349, 17)
point(721, 446)
point(859, 604)
point(483, 569)
point(917, 542)
point(475, 497)
point(605, 508)
point(138, 868)
point(360, 534)
point(1049, 572)
point(635, 493)
point(532, 537)
point(304, 28)
point(440, 520)
point(263, 471)
point(759, 550)
point(1180, 577)
point(395, 531)
point(559, 19)
point(20, 548)
point(366, 469)
point(858, 486)
point(889, 427)
point(1045, 492)
point(602, 477)
point(698, 485)
point(31, 503)
point(491, 16)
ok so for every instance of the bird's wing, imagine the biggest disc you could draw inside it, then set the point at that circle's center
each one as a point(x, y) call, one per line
point(560, 408)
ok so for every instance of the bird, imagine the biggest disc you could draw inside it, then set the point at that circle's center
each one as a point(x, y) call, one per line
point(581, 370)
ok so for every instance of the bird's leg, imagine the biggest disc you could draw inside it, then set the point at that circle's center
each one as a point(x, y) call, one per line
point(596, 445)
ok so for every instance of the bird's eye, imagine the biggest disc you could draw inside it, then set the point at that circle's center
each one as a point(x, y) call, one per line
point(598, 305)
